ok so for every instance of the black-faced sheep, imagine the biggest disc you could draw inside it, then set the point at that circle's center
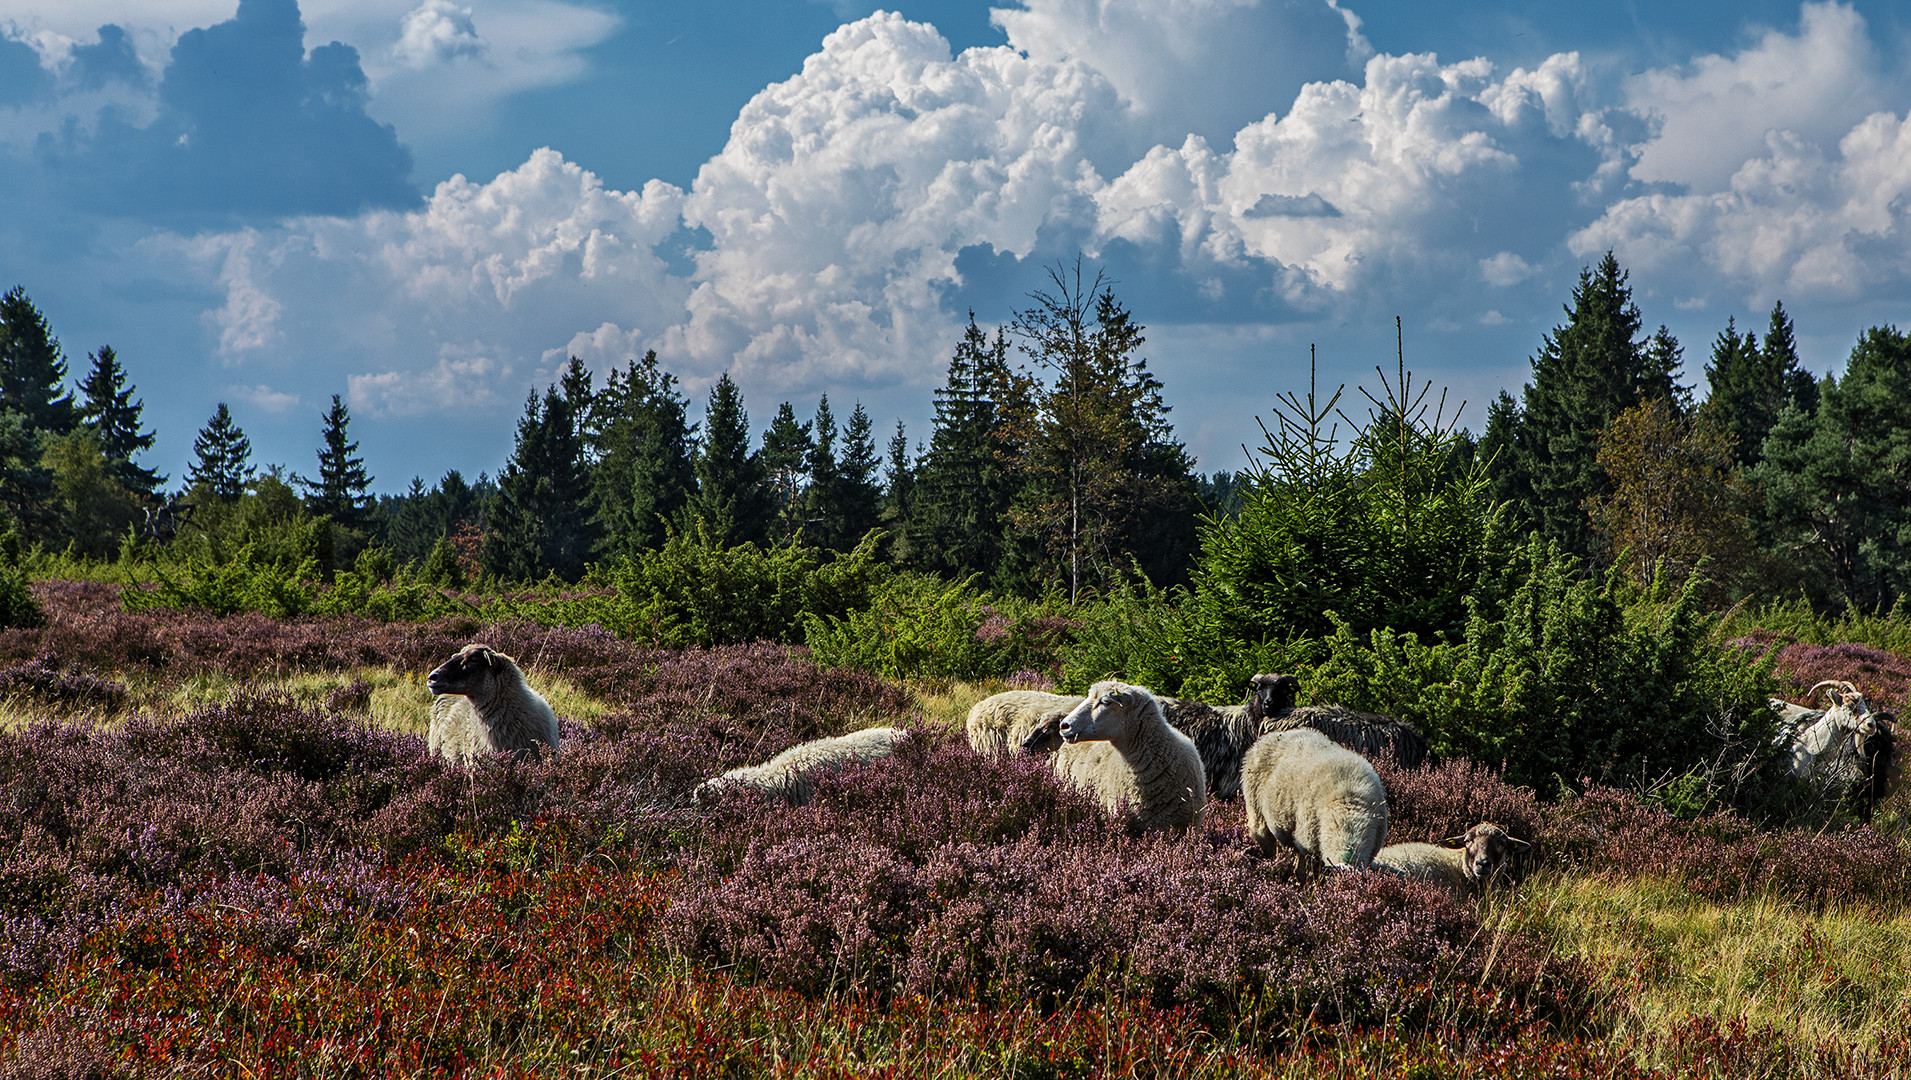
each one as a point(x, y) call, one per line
point(1046, 736)
point(1482, 854)
point(1121, 749)
point(1221, 734)
point(787, 776)
point(1271, 706)
point(1310, 795)
point(483, 705)
point(1001, 721)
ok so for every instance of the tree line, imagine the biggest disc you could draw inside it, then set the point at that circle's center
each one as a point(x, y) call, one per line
point(1051, 465)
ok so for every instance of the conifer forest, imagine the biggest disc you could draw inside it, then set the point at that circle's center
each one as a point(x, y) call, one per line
point(1647, 616)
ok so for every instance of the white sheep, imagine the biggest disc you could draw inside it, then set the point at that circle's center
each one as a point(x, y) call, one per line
point(1463, 870)
point(787, 775)
point(483, 705)
point(1309, 794)
point(1121, 749)
point(1001, 721)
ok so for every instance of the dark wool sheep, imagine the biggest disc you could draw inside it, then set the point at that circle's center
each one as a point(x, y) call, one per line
point(1271, 706)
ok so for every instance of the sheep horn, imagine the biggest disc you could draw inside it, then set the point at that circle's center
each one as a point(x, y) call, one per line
point(1834, 684)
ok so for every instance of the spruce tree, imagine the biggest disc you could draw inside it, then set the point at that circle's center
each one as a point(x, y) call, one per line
point(858, 498)
point(26, 485)
point(540, 518)
point(641, 439)
point(1544, 451)
point(822, 513)
point(787, 448)
point(963, 488)
point(1100, 478)
point(732, 499)
point(341, 490)
point(32, 368)
point(898, 499)
point(224, 455)
point(109, 409)
point(1750, 385)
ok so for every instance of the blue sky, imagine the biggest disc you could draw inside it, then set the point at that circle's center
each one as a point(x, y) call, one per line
point(425, 205)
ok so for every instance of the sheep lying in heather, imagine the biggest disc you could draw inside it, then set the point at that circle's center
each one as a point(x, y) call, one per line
point(787, 775)
point(1271, 706)
point(483, 705)
point(1463, 870)
point(1308, 794)
point(1121, 749)
point(1001, 721)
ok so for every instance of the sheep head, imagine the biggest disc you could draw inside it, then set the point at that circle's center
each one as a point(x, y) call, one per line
point(1108, 714)
point(1269, 696)
point(469, 671)
point(1486, 848)
point(1046, 736)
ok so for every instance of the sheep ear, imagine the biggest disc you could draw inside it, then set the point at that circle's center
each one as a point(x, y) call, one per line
point(1461, 839)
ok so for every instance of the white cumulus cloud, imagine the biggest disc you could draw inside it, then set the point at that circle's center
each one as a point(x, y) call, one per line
point(437, 32)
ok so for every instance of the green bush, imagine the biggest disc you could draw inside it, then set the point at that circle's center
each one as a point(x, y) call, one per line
point(1561, 678)
point(251, 579)
point(695, 591)
point(18, 608)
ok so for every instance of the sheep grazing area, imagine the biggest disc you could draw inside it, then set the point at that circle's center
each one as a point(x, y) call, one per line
point(203, 872)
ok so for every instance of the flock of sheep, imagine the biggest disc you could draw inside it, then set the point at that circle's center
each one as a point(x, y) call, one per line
point(1154, 761)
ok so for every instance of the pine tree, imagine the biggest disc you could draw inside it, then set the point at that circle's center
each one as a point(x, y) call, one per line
point(109, 409)
point(1835, 480)
point(641, 438)
point(540, 518)
point(787, 448)
point(1544, 451)
point(26, 484)
point(342, 488)
point(964, 489)
point(1100, 476)
point(32, 368)
point(732, 499)
point(224, 454)
point(822, 510)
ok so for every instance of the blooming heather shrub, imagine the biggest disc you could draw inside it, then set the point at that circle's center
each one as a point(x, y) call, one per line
point(940, 872)
point(1430, 805)
point(1722, 856)
point(1884, 678)
point(44, 680)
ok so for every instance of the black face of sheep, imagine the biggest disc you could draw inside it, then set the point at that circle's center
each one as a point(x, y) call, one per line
point(465, 671)
point(1271, 695)
point(1486, 847)
point(1046, 737)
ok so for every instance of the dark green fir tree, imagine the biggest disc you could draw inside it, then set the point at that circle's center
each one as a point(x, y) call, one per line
point(223, 456)
point(541, 518)
point(732, 500)
point(32, 368)
point(342, 489)
point(108, 408)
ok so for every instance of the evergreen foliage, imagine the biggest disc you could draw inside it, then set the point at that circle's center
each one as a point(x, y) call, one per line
point(540, 519)
point(1750, 385)
point(108, 408)
point(94, 509)
point(342, 489)
point(641, 438)
point(26, 484)
point(32, 368)
point(732, 498)
point(1544, 450)
point(899, 498)
point(1836, 482)
point(224, 457)
point(786, 456)
point(854, 506)
point(1100, 478)
point(963, 487)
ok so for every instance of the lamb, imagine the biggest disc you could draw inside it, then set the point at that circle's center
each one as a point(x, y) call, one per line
point(1271, 706)
point(787, 776)
point(1463, 870)
point(483, 705)
point(1001, 721)
point(1307, 793)
point(1121, 749)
